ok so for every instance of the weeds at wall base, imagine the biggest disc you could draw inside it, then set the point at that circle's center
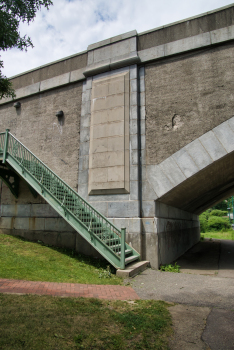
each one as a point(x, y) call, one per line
point(170, 268)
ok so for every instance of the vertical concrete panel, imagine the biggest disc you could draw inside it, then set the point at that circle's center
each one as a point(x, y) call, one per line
point(109, 135)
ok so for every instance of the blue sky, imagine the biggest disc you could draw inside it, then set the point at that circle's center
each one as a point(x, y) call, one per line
point(70, 26)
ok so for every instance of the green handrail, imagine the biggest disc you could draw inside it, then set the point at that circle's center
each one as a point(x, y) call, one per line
point(67, 202)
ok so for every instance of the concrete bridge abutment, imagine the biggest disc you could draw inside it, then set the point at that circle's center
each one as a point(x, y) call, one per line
point(147, 135)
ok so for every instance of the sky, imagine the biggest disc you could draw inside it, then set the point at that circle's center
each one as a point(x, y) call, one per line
point(69, 26)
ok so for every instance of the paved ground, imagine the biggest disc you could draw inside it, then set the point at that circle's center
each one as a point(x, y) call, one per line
point(204, 318)
point(68, 289)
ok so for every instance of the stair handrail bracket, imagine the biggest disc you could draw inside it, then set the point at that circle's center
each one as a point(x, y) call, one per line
point(82, 216)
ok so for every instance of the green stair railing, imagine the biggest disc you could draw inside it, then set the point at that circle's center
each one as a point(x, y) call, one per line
point(105, 237)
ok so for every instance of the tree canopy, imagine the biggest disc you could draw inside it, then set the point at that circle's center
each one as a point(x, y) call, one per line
point(12, 12)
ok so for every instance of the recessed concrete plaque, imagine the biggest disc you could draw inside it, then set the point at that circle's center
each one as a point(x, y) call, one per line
point(109, 136)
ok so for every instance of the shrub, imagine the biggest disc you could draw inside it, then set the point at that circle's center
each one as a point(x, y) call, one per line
point(217, 212)
point(216, 223)
point(203, 224)
point(204, 221)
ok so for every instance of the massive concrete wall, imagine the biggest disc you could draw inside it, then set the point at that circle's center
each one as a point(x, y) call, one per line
point(177, 133)
point(55, 141)
point(186, 97)
point(42, 93)
point(32, 218)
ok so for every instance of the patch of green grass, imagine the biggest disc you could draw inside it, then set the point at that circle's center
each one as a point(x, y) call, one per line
point(219, 235)
point(44, 322)
point(21, 259)
point(170, 268)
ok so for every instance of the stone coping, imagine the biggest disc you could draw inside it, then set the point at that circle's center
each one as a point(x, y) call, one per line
point(112, 40)
point(187, 19)
point(49, 64)
point(48, 84)
point(195, 42)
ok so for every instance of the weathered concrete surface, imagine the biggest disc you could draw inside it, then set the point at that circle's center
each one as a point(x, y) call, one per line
point(204, 189)
point(209, 257)
point(198, 289)
point(203, 259)
point(226, 263)
point(34, 219)
point(133, 269)
point(109, 136)
point(219, 333)
point(174, 238)
point(186, 28)
point(186, 97)
point(199, 174)
point(50, 70)
point(189, 323)
point(174, 230)
point(184, 288)
point(25, 197)
point(55, 141)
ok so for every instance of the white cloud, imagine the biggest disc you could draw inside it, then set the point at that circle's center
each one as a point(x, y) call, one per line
point(70, 26)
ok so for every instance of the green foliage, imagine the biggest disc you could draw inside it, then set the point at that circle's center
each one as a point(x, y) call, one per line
point(105, 273)
point(204, 221)
point(216, 223)
point(6, 88)
point(170, 268)
point(12, 13)
point(218, 212)
point(212, 220)
point(222, 205)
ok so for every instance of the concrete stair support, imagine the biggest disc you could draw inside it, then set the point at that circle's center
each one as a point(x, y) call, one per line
point(133, 269)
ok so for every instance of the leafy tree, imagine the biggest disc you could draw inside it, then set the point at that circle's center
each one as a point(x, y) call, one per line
point(221, 205)
point(217, 212)
point(12, 12)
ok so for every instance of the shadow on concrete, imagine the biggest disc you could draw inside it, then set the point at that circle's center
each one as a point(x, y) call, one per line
point(215, 258)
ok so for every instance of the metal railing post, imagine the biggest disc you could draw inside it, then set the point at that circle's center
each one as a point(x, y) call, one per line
point(122, 256)
point(5, 146)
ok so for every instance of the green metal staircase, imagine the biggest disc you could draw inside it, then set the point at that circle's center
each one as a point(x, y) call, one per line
point(106, 238)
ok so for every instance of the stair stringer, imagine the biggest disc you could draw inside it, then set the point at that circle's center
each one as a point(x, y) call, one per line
point(19, 161)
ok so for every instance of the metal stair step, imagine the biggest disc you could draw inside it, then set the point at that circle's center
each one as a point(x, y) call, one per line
point(115, 246)
point(130, 259)
point(127, 252)
point(105, 233)
point(111, 240)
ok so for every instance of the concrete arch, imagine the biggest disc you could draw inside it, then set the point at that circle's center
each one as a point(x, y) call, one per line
point(187, 183)
point(200, 174)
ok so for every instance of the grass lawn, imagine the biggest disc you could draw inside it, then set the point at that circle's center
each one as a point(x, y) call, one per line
point(21, 259)
point(219, 235)
point(45, 322)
